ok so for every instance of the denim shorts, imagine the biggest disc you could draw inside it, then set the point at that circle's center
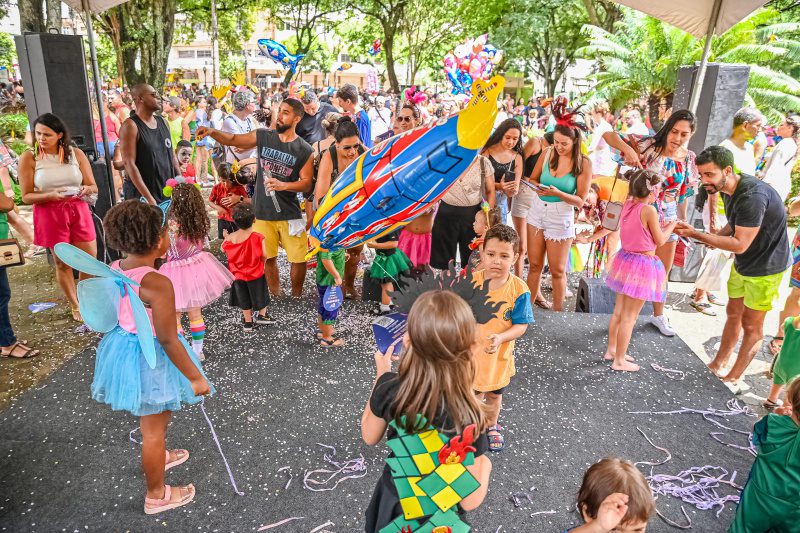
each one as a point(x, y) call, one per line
point(556, 219)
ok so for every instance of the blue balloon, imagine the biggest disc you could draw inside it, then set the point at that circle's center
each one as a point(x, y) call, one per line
point(279, 54)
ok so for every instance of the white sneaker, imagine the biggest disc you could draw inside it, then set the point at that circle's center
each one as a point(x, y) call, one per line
point(663, 325)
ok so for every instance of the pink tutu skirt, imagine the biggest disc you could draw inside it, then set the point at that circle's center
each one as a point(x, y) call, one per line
point(417, 246)
point(198, 280)
point(638, 276)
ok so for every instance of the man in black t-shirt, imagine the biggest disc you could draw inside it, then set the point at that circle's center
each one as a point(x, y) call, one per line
point(310, 128)
point(284, 169)
point(756, 234)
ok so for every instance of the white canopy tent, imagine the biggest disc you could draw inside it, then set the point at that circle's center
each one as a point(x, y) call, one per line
point(701, 18)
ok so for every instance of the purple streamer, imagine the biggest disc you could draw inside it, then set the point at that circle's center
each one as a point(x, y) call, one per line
point(697, 486)
point(675, 524)
point(543, 512)
point(677, 375)
point(750, 449)
point(649, 463)
point(130, 435)
point(276, 524)
point(352, 468)
point(289, 471)
point(219, 447)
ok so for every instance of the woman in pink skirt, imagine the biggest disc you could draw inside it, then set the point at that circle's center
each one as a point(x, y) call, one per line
point(636, 274)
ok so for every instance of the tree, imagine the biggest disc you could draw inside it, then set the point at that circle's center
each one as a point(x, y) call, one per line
point(389, 14)
point(31, 15)
point(642, 58)
point(8, 51)
point(554, 27)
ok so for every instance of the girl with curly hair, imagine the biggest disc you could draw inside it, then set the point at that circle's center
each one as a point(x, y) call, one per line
point(196, 275)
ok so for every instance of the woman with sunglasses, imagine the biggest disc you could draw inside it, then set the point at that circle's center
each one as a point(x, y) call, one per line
point(344, 150)
point(407, 118)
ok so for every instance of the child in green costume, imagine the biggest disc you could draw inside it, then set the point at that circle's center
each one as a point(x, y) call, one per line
point(769, 501)
point(787, 362)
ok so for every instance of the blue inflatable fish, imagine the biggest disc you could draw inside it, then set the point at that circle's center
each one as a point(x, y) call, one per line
point(399, 179)
point(279, 54)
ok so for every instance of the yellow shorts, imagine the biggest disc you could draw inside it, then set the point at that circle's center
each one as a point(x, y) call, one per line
point(759, 292)
point(277, 233)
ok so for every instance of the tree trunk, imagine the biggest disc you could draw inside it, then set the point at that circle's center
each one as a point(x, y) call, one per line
point(53, 14)
point(31, 16)
point(652, 110)
point(388, 43)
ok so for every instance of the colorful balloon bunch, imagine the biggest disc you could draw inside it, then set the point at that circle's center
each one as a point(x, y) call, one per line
point(376, 48)
point(471, 60)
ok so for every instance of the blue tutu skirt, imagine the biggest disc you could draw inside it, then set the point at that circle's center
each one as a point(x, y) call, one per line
point(124, 380)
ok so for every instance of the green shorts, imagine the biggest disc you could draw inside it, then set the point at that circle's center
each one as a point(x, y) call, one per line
point(758, 291)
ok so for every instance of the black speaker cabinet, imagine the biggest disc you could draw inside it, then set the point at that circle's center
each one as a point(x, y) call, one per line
point(721, 96)
point(53, 69)
point(595, 297)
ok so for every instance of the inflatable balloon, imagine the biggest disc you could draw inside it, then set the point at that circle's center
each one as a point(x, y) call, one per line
point(376, 48)
point(372, 80)
point(345, 66)
point(399, 179)
point(472, 60)
point(279, 54)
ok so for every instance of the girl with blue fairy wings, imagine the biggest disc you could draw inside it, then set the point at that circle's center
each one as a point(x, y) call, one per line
point(142, 365)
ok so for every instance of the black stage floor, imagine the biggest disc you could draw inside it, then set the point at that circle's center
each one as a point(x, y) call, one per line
point(68, 463)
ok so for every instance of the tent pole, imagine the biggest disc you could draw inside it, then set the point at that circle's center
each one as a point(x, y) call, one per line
point(99, 95)
point(701, 71)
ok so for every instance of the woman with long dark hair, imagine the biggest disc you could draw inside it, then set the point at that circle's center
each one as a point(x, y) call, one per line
point(56, 177)
point(504, 151)
point(666, 154)
point(562, 178)
point(345, 149)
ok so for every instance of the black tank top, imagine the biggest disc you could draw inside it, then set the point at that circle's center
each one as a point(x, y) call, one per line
point(154, 155)
point(530, 164)
point(503, 170)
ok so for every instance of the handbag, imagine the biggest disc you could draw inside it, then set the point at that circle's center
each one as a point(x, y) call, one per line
point(11, 253)
point(611, 217)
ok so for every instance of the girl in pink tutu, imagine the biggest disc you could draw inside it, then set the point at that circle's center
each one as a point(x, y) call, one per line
point(196, 275)
point(415, 241)
point(636, 274)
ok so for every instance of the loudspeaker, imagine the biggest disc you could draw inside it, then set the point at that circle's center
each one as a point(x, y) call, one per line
point(721, 96)
point(595, 297)
point(53, 69)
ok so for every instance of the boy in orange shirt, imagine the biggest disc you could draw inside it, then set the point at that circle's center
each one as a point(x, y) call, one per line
point(494, 357)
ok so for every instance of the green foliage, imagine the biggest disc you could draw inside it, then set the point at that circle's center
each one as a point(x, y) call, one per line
point(230, 65)
point(106, 56)
point(13, 124)
point(235, 21)
point(18, 145)
point(8, 51)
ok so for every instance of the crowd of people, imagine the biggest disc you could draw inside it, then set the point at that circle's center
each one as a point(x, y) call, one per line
point(269, 158)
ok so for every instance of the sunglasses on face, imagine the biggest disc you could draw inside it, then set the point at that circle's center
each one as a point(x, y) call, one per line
point(404, 119)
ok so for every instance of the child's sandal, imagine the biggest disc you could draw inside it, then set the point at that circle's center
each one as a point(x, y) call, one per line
point(181, 457)
point(156, 505)
point(496, 440)
point(769, 405)
point(333, 343)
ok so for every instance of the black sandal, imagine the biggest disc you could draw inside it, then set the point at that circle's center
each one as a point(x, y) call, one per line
point(773, 348)
point(331, 343)
point(27, 351)
point(769, 405)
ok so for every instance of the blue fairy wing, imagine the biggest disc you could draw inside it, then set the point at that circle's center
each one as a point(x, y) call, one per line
point(144, 328)
point(99, 300)
point(83, 262)
point(164, 206)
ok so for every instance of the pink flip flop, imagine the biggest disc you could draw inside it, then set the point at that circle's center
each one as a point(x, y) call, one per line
point(176, 462)
point(164, 504)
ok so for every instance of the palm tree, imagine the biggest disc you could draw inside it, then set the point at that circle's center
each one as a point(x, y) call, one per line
point(641, 60)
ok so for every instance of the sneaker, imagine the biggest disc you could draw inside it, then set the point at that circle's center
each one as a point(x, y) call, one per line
point(201, 357)
point(264, 320)
point(248, 327)
point(663, 325)
point(569, 294)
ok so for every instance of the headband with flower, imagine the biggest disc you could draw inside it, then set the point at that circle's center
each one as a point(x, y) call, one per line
point(566, 117)
point(171, 183)
point(414, 96)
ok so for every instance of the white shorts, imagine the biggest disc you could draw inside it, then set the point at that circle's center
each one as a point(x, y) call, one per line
point(521, 203)
point(556, 219)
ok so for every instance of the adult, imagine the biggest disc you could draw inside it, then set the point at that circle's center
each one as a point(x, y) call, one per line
point(337, 157)
point(121, 103)
point(205, 108)
point(664, 153)
point(380, 117)
point(603, 163)
point(408, 118)
point(147, 152)
point(55, 177)
point(635, 126)
point(178, 128)
point(747, 123)
point(791, 306)
point(347, 96)
point(778, 170)
point(562, 178)
point(756, 234)
point(504, 151)
point(311, 128)
point(239, 122)
point(113, 126)
point(521, 202)
point(453, 225)
point(8, 160)
point(285, 168)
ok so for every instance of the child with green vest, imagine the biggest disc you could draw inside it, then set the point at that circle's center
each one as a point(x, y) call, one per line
point(330, 269)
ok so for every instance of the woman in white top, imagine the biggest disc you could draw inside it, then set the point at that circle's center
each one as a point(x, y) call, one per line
point(54, 178)
point(778, 170)
point(599, 152)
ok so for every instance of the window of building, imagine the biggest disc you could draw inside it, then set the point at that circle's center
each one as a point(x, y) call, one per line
point(204, 53)
point(344, 58)
point(185, 54)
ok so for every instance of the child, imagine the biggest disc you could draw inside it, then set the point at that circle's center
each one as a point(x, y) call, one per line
point(226, 195)
point(196, 275)
point(636, 274)
point(787, 364)
point(484, 220)
point(495, 351)
point(415, 241)
point(184, 154)
point(434, 380)
point(389, 265)
point(769, 500)
point(121, 377)
point(246, 253)
point(614, 496)
point(330, 269)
